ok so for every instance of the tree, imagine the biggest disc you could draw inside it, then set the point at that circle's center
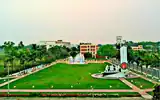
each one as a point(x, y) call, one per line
point(117, 46)
point(78, 47)
point(74, 49)
point(118, 55)
point(87, 55)
point(107, 50)
point(21, 55)
point(20, 45)
point(9, 50)
point(73, 54)
point(64, 53)
point(129, 53)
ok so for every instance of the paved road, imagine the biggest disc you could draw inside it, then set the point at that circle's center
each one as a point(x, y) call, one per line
point(66, 90)
point(136, 89)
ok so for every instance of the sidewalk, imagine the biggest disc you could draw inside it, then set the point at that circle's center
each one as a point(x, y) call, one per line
point(136, 89)
point(66, 90)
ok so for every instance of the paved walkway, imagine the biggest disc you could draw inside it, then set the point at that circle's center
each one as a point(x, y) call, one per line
point(136, 89)
point(66, 90)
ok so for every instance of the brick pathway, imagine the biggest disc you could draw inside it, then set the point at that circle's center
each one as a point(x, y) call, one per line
point(66, 90)
point(136, 89)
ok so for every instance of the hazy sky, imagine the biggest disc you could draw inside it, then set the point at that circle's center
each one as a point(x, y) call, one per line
point(96, 21)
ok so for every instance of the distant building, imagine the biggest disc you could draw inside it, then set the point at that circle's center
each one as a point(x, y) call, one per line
point(118, 39)
point(137, 48)
point(74, 45)
point(54, 43)
point(62, 43)
point(89, 47)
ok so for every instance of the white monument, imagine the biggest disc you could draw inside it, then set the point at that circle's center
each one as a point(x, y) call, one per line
point(123, 54)
point(116, 71)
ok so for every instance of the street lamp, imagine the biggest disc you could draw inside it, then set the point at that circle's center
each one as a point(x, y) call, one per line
point(158, 53)
point(8, 80)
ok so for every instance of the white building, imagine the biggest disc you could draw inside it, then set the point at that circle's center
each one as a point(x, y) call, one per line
point(119, 39)
point(54, 43)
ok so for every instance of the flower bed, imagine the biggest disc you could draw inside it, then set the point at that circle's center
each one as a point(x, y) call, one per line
point(68, 95)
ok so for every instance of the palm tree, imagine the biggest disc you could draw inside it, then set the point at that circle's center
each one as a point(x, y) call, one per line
point(21, 57)
point(155, 59)
point(20, 45)
point(10, 51)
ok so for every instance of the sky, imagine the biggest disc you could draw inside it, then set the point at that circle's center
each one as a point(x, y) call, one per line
point(95, 21)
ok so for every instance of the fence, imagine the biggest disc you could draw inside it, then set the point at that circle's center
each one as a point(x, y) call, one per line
point(153, 72)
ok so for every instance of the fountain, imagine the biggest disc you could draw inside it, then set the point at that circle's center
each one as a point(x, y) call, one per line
point(79, 59)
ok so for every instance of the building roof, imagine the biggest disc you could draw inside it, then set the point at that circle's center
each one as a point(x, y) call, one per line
point(85, 43)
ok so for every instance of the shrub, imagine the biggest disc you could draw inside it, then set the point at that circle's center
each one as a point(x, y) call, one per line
point(35, 94)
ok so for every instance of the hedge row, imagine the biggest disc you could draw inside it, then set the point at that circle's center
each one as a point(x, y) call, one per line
point(67, 95)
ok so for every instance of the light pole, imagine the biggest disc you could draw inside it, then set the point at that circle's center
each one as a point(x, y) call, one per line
point(158, 54)
point(8, 80)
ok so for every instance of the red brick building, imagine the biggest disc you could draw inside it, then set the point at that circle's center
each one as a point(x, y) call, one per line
point(88, 47)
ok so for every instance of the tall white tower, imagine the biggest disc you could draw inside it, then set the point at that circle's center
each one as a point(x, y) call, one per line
point(123, 54)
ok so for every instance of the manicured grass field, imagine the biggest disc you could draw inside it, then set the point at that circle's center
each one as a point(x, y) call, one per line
point(151, 93)
point(4, 80)
point(150, 77)
point(141, 82)
point(1, 68)
point(63, 76)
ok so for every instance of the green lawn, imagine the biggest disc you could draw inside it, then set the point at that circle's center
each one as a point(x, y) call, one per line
point(141, 82)
point(150, 77)
point(1, 68)
point(4, 80)
point(62, 76)
point(151, 93)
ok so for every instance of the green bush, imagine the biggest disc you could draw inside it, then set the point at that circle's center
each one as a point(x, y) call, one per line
point(35, 94)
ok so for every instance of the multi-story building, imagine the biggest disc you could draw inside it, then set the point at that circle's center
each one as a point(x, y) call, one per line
point(54, 43)
point(136, 48)
point(89, 47)
point(62, 43)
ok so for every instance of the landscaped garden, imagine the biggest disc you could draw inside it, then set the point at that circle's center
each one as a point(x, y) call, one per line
point(141, 83)
point(66, 76)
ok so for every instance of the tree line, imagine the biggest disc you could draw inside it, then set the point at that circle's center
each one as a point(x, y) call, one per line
point(20, 57)
point(143, 57)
